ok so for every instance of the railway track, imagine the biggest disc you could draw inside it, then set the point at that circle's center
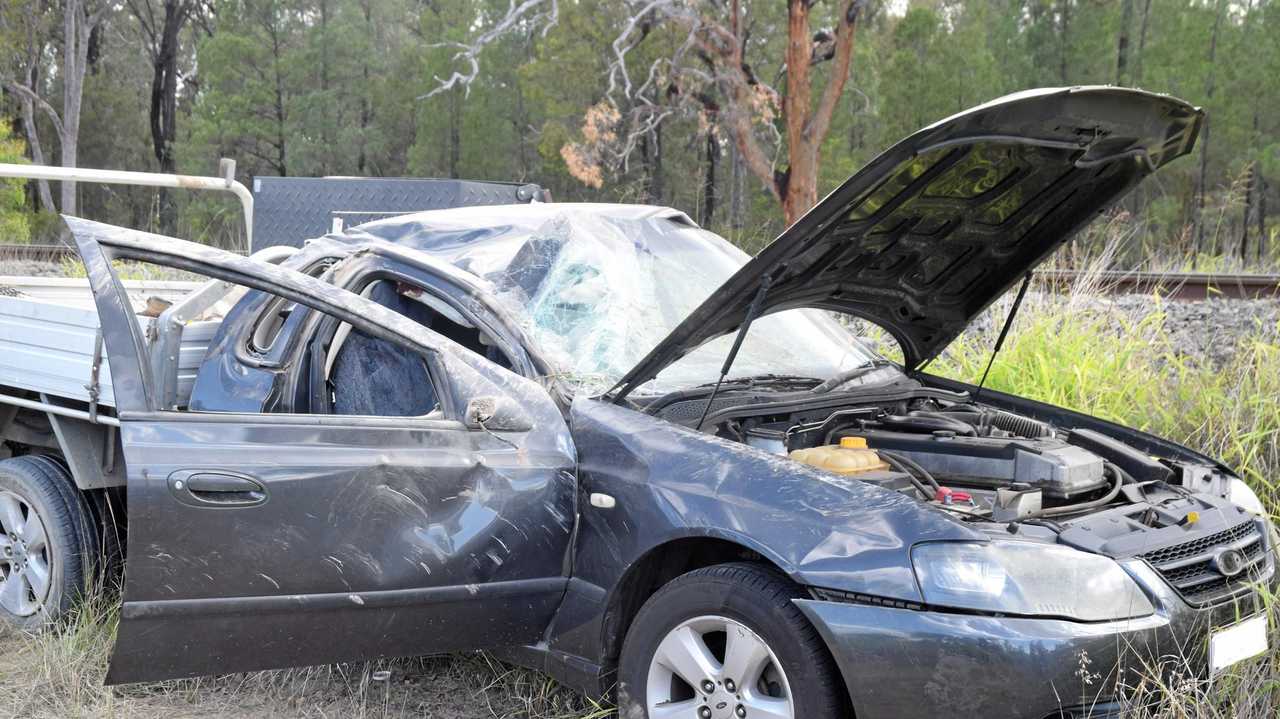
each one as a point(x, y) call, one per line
point(38, 253)
point(1184, 286)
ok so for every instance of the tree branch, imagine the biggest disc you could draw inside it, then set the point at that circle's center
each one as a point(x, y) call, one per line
point(38, 101)
point(821, 120)
point(470, 52)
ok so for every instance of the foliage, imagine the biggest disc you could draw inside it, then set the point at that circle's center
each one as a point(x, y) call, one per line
point(344, 87)
point(15, 225)
point(1070, 351)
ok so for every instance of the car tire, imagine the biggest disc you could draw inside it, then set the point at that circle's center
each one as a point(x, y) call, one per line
point(729, 610)
point(44, 567)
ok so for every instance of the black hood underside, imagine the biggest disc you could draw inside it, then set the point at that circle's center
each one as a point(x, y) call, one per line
point(931, 232)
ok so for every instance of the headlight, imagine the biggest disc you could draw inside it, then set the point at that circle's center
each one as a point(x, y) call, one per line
point(1244, 497)
point(1027, 578)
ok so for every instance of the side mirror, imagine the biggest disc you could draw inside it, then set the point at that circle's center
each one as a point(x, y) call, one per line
point(498, 414)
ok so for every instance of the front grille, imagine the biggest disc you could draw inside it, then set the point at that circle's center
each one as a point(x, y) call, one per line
point(1189, 567)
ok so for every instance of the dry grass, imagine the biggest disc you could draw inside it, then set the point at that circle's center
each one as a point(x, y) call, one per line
point(59, 674)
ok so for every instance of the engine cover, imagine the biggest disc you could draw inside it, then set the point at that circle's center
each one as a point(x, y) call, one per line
point(1049, 464)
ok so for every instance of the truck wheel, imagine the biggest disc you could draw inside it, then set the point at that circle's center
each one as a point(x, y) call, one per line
point(725, 642)
point(45, 542)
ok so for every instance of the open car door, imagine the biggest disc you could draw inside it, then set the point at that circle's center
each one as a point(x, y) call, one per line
point(259, 541)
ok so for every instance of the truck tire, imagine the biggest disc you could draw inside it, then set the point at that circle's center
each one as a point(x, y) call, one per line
point(46, 542)
point(725, 642)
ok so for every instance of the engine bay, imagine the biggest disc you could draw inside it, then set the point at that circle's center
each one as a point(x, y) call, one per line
point(977, 461)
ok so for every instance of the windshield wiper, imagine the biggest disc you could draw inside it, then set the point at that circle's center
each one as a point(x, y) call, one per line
point(851, 374)
point(765, 380)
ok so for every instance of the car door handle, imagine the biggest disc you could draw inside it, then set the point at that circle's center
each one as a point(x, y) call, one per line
point(219, 489)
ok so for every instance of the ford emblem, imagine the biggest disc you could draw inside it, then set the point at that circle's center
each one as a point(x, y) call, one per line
point(1229, 562)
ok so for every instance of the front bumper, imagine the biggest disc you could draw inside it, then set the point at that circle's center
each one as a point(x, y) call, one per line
point(903, 663)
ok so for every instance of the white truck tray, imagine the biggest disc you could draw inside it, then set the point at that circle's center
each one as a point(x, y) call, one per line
point(47, 335)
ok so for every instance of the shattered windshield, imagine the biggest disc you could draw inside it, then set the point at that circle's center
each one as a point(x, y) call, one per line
point(596, 288)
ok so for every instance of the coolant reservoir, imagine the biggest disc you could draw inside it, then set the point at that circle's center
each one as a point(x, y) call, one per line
point(851, 456)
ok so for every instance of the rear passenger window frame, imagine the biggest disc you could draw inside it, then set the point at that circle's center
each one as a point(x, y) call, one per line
point(273, 355)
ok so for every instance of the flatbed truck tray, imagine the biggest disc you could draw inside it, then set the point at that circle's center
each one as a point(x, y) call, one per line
point(49, 331)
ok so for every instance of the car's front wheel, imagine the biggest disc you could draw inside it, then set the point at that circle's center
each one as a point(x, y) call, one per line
point(726, 642)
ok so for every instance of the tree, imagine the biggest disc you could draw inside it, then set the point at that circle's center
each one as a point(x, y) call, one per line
point(709, 73)
point(79, 20)
point(1122, 41)
point(26, 31)
point(249, 84)
point(726, 87)
point(1202, 179)
point(162, 32)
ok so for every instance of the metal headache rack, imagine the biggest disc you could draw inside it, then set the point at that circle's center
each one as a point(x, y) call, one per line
point(291, 210)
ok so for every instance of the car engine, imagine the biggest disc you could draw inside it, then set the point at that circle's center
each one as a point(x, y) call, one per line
point(943, 448)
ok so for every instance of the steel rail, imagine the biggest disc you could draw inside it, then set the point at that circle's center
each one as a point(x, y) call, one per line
point(225, 183)
point(1182, 286)
point(92, 417)
point(39, 253)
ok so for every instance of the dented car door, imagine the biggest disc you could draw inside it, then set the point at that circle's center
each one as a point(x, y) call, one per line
point(270, 540)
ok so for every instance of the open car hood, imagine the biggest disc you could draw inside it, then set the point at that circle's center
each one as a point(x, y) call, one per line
point(936, 228)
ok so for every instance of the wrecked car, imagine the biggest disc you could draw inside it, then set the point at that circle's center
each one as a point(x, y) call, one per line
point(605, 443)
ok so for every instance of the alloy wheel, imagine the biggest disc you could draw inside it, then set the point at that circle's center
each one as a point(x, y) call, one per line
point(25, 566)
point(713, 667)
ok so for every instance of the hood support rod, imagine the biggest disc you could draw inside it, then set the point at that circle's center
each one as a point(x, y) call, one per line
point(1004, 332)
point(753, 311)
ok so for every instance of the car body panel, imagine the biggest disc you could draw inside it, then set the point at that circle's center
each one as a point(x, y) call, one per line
point(932, 231)
point(360, 537)
point(672, 483)
point(1015, 668)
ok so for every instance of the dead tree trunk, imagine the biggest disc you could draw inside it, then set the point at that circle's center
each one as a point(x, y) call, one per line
point(709, 180)
point(1250, 190)
point(1202, 179)
point(1122, 42)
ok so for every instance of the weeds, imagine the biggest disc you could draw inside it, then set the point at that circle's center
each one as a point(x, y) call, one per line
point(59, 674)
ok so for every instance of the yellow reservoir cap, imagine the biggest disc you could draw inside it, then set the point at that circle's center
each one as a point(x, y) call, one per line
point(851, 456)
